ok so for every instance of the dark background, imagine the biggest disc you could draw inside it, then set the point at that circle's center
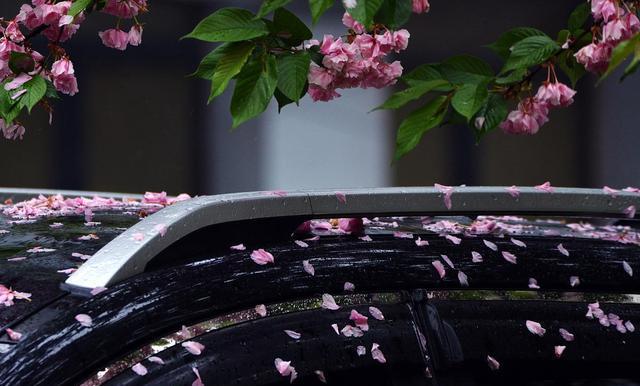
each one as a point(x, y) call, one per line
point(139, 124)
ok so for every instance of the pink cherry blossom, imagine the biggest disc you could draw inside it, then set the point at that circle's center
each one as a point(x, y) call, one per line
point(135, 35)
point(555, 94)
point(125, 9)
point(351, 225)
point(262, 257)
point(527, 119)
point(349, 22)
point(510, 257)
point(420, 6)
point(603, 9)
point(84, 320)
point(308, 268)
point(194, 348)
point(377, 354)
point(595, 57)
point(139, 369)
point(115, 38)
point(329, 303)
point(535, 328)
point(439, 268)
point(566, 335)
point(493, 363)
point(620, 28)
point(261, 310)
point(376, 313)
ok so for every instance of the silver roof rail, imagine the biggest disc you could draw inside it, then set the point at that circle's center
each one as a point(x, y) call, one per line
point(124, 257)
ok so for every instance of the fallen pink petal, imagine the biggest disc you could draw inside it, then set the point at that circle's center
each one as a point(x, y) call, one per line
point(493, 363)
point(630, 211)
point(533, 284)
point(440, 268)
point(301, 244)
point(139, 369)
point(574, 281)
point(161, 229)
point(476, 257)
point(377, 354)
point(361, 350)
point(518, 243)
point(348, 286)
point(546, 187)
point(447, 192)
point(510, 257)
point(198, 381)
point(376, 313)
point(513, 191)
point(455, 240)
point(535, 328)
point(610, 191)
point(563, 250)
point(262, 257)
point(403, 235)
point(261, 310)
point(341, 197)
point(558, 350)
point(308, 268)
point(463, 279)
point(566, 335)
point(627, 268)
point(421, 243)
point(84, 320)
point(154, 359)
point(292, 334)
point(13, 335)
point(238, 247)
point(446, 259)
point(194, 348)
point(335, 328)
point(321, 376)
point(329, 303)
point(490, 245)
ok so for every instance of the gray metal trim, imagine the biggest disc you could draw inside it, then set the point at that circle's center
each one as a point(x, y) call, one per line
point(20, 194)
point(123, 257)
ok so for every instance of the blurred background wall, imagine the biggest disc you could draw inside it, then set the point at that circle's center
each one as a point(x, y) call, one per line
point(140, 124)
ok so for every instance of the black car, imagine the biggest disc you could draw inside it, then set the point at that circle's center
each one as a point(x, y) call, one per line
point(415, 286)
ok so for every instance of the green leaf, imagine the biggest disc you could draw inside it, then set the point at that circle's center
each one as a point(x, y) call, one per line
point(512, 77)
point(36, 89)
point(633, 66)
point(394, 13)
point(20, 62)
point(571, 68)
point(403, 97)
point(622, 51)
point(51, 93)
point(229, 25)
point(563, 36)
point(466, 69)
point(293, 71)
point(502, 47)
point(492, 113)
point(207, 66)
point(418, 123)
point(283, 100)
point(579, 17)
point(531, 51)
point(290, 28)
point(255, 86)
point(269, 6)
point(365, 10)
point(78, 6)
point(469, 98)
point(318, 8)
point(422, 73)
point(229, 65)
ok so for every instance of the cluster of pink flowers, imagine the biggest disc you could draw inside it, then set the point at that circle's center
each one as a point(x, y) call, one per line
point(533, 112)
point(52, 20)
point(616, 25)
point(358, 62)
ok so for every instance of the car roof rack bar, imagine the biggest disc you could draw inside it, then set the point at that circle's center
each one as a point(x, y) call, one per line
point(125, 257)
